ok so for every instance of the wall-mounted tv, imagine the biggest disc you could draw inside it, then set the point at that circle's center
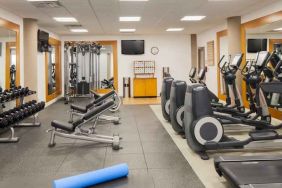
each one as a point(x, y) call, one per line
point(132, 47)
point(43, 41)
point(257, 45)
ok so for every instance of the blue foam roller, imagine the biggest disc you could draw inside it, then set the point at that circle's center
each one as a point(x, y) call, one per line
point(92, 178)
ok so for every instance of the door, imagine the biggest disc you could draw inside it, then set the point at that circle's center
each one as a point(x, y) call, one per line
point(201, 58)
point(151, 87)
point(139, 87)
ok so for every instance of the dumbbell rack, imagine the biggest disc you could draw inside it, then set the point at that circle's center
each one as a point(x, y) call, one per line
point(12, 138)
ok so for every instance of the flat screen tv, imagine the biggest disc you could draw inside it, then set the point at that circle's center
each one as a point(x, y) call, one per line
point(132, 47)
point(257, 45)
point(42, 41)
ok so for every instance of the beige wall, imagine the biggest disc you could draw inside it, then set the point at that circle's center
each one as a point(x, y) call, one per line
point(30, 53)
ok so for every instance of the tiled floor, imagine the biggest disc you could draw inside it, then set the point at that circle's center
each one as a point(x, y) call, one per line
point(153, 158)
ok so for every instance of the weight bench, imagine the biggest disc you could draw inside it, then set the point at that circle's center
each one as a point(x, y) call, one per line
point(75, 131)
point(79, 110)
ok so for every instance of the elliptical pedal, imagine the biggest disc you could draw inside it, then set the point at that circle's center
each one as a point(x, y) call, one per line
point(264, 135)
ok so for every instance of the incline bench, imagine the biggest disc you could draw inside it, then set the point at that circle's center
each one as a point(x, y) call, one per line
point(75, 131)
point(79, 110)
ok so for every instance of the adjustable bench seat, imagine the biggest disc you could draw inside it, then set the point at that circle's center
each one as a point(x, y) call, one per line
point(69, 127)
point(97, 102)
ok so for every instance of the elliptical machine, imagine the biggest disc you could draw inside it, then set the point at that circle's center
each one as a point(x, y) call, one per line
point(176, 112)
point(165, 97)
point(205, 132)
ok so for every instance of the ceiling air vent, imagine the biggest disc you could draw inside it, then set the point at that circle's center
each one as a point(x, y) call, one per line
point(47, 4)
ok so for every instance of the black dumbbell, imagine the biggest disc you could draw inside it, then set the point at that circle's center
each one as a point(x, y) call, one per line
point(8, 117)
point(41, 105)
point(4, 123)
point(14, 116)
point(18, 113)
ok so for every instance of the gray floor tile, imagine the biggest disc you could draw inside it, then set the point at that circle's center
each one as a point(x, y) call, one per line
point(165, 146)
point(127, 148)
point(134, 161)
point(165, 160)
point(175, 178)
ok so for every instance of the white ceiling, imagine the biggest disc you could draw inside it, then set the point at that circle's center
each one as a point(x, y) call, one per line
point(100, 17)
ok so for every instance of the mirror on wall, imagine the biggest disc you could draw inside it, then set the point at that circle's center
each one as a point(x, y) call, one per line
point(266, 37)
point(52, 70)
point(8, 58)
point(222, 42)
point(106, 67)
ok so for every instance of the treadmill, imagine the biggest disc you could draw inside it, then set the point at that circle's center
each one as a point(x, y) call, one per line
point(253, 171)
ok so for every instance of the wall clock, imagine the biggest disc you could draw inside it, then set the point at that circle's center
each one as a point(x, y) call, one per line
point(155, 50)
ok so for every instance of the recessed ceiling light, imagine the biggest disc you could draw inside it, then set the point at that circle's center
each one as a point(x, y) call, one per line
point(130, 19)
point(175, 29)
point(278, 29)
point(192, 18)
point(42, 0)
point(79, 30)
point(127, 30)
point(65, 19)
point(134, 0)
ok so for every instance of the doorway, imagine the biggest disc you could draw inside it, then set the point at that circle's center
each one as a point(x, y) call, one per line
point(201, 58)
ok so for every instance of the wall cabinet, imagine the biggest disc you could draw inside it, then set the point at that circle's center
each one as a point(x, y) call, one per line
point(145, 87)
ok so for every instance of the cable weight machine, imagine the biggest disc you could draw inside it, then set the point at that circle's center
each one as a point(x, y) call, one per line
point(80, 57)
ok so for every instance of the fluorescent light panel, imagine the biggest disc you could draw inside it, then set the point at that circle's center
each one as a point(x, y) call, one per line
point(175, 29)
point(65, 19)
point(79, 30)
point(127, 30)
point(130, 19)
point(192, 18)
point(278, 29)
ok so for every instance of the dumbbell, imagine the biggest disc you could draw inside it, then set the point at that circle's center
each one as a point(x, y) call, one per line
point(19, 112)
point(27, 110)
point(8, 117)
point(4, 123)
point(41, 105)
point(30, 107)
point(9, 95)
point(17, 115)
point(5, 96)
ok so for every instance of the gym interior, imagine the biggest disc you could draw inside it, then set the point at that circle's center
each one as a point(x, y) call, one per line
point(141, 93)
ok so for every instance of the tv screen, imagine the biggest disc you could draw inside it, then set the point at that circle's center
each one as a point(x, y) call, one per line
point(257, 45)
point(132, 47)
point(42, 41)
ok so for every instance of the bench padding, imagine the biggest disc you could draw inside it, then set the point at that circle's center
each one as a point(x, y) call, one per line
point(98, 110)
point(97, 102)
point(62, 125)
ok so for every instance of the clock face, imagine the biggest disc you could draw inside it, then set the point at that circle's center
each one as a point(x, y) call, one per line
point(155, 50)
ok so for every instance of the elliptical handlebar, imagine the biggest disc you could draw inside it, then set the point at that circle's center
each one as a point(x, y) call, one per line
point(277, 70)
